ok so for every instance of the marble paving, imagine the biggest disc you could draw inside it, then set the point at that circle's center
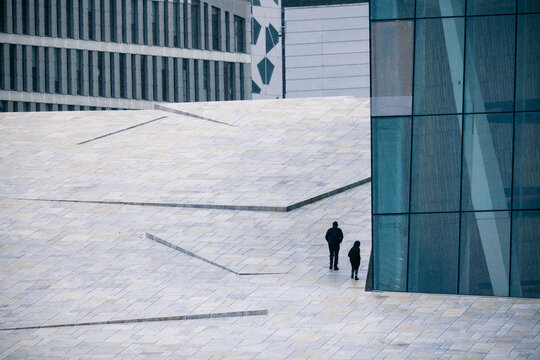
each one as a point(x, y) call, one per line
point(74, 263)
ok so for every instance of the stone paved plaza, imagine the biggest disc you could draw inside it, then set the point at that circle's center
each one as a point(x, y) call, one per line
point(172, 224)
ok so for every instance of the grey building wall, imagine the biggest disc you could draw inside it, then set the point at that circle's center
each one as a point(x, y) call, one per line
point(94, 54)
point(327, 50)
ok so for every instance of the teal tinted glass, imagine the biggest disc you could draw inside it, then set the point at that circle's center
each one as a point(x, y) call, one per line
point(438, 73)
point(436, 8)
point(528, 6)
point(391, 67)
point(525, 278)
point(436, 163)
point(433, 256)
point(390, 252)
point(528, 63)
point(487, 162)
point(392, 9)
point(484, 253)
point(527, 161)
point(490, 7)
point(391, 164)
point(489, 64)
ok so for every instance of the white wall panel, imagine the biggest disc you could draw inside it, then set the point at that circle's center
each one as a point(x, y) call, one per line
point(327, 50)
point(304, 73)
point(305, 84)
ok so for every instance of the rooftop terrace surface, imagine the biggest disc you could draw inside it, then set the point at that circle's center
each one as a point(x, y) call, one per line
point(166, 234)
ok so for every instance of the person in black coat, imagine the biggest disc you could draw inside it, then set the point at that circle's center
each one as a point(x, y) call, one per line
point(334, 237)
point(354, 257)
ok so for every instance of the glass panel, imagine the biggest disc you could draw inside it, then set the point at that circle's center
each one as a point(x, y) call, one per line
point(489, 7)
point(487, 166)
point(484, 253)
point(436, 163)
point(433, 256)
point(391, 164)
point(392, 9)
point(527, 161)
point(438, 74)
point(527, 64)
point(436, 8)
point(391, 63)
point(528, 6)
point(489, 65)
point(390, 244)
point(525, 280)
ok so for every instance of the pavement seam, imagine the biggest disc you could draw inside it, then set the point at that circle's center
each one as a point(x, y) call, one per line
point(192, 254)
point(185, 113)
point(154, 319)
point(121, 130)
point(216, 207)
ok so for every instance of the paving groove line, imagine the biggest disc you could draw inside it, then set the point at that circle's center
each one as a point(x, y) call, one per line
point(192, 254)
point(121, 130)
point(217, 207)
point(154, 319)
point(185, 113)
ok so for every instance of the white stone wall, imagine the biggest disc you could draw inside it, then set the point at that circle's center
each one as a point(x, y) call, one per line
point(327, 51)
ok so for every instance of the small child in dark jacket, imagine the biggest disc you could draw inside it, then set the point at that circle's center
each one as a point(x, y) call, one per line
point(354, 257)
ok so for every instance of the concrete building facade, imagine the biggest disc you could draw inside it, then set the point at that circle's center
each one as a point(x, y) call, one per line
point(114, 54)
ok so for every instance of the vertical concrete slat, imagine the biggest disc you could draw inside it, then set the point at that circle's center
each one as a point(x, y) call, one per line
point(169, 20)
point(76, 19)
point(53, 19)
point(31, 12)
point(159, 64)
point(170, 61)
point(139, 27)
point(107, 62)
point(41, 17)
point(127, 4)
point(97, 19)
point(116, 79)
point(129, 84)
point(63, 18)
point(9, 24)
point(20, 64)
point(95, 73)
point(63, 67)
point(137, 92)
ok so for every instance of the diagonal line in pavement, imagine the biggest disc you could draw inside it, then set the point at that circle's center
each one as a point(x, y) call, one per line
point(121, 130)
point(215, 206)
point(187, 252)
point(154, 319)
point(185, 113)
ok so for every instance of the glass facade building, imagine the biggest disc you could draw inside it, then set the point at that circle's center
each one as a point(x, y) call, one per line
point(118, 54)
point(455, 107)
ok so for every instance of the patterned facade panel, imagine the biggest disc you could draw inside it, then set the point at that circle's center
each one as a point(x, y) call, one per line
point(266, 49)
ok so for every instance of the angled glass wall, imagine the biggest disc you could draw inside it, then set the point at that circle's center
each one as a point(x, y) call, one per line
point(455, 119)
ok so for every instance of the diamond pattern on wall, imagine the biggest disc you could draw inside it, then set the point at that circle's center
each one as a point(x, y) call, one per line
point(255, 31)
point(266, 68)
point(255, 88)
point(272, 38)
